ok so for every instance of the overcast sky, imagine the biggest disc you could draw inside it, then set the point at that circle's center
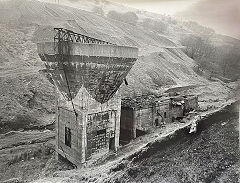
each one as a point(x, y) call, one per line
point(159, 6)
point(222, 15)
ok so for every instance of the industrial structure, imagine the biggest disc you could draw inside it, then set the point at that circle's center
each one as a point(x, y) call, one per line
point(87, 73)
point(145, 113)
point(92, 118)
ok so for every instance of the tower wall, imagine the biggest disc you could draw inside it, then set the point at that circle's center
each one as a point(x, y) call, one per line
point(94, 132)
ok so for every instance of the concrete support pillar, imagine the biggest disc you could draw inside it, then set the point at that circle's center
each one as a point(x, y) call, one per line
point(134, 127)
point(84, 136)
point(117, 123)
point(57, 133)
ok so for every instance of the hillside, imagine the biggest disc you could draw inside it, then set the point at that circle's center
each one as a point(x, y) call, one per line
point(161, 64)
point(227, 10)
point(25, 22)
point(28, 99)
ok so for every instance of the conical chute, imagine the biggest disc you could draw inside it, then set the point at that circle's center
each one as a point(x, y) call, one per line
point(98, 66)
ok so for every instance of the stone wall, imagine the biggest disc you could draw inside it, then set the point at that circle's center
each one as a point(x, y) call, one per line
point(144, 119)
point(152, 112)
point(162, 112)
point(191, 103)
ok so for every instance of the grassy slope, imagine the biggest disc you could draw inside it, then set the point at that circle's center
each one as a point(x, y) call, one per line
point(26, 97)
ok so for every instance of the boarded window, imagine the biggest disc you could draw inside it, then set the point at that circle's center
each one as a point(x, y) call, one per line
point(68, 136)
point(99, 132)
point(100, 139)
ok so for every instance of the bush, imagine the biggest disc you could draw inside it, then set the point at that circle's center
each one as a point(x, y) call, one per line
point(196, 28)
point(129, 17)
point(98, 10)
point(218, 61)
point(158, 26)
point(198, 48)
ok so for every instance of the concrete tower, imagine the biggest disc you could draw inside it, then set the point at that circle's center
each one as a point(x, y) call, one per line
point(87, 73)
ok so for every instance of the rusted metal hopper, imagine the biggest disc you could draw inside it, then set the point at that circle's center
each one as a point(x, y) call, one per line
point(73, 61)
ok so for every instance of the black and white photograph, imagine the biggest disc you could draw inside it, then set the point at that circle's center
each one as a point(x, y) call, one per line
point(119, 91)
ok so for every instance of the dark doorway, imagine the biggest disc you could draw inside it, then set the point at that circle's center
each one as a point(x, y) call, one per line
point(127, 125)
point(112, 144)
point(68, 137)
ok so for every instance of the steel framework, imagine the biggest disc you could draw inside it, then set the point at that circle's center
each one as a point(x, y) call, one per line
point(62, 38)
point(62, 34)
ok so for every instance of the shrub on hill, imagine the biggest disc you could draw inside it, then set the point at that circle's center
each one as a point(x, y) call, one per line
point(129, 17)
point(158, 26)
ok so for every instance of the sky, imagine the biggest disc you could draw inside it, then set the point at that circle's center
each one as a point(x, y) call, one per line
point(222, 15)
point(159, 6)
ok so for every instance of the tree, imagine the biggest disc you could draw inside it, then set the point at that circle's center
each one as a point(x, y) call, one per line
point(199, 29)
point(98, 10)
point(230, 63)
point(158, 26)
point(129, 17)
point(114, 15)
point(201, 50)
point(198, 48)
